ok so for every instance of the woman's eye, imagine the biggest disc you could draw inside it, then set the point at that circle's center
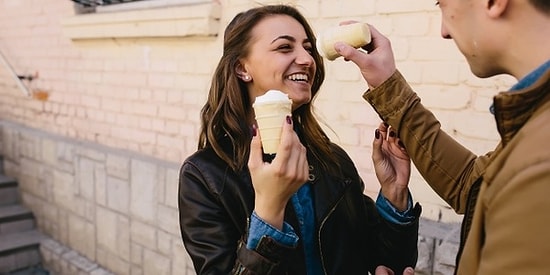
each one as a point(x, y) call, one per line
point(285, 47)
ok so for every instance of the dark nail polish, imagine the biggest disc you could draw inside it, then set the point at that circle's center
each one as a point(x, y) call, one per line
point(288, 120)
point(401, 144)
point(254, 130)
point(392, 134)
point(377, 134)
point(386, 124)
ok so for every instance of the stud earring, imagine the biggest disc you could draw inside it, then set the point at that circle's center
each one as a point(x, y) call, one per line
point(247, 78)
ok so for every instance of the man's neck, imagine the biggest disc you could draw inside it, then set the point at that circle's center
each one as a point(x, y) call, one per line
point(529, 40)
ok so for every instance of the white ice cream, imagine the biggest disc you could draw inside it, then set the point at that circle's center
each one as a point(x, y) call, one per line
point(272, 96)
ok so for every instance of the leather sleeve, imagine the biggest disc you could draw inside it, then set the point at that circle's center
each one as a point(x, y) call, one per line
point(253, 261)
point(392, 245)
point(211, 237)
point(395, 246)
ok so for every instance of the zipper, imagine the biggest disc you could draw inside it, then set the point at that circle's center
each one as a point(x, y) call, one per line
point(348, 181)
point(468, 217)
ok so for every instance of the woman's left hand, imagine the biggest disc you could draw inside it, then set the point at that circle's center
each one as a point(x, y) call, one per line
point(392, 166)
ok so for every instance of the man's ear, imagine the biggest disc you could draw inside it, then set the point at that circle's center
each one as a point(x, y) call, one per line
point(496, 8)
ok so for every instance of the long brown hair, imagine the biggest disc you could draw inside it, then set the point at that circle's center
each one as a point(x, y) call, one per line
point(226, 112)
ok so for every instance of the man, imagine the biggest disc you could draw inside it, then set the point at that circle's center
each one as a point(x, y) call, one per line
point(503, 194)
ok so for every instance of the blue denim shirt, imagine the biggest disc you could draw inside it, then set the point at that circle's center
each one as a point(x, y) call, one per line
point(303, 204)
point(529, 79)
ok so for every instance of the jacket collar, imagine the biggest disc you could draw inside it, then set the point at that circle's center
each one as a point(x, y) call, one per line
point(513, 109)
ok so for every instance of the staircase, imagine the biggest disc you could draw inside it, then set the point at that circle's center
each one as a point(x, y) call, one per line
point(19, 238)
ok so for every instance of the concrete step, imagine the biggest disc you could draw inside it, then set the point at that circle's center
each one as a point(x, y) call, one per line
point(15, 218)
point(20, 250)
point(8, 190)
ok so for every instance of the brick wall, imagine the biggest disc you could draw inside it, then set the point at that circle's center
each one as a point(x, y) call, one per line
point(140, 90)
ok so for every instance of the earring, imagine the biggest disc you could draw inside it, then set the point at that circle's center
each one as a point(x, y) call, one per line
point(247, 78)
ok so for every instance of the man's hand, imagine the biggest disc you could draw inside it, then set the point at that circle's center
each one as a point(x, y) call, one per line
point(375, 60)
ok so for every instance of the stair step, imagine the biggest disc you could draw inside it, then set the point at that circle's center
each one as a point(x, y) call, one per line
point(8, 190)
point(6, 181)
point(15, 218)
point(20, 240)
point(20, 250)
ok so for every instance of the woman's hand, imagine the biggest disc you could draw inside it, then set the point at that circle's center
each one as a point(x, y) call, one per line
point(382, 270)
point(275, 183)
point(392, 165)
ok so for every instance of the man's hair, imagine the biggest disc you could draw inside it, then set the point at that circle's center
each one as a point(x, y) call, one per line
point(541, 5)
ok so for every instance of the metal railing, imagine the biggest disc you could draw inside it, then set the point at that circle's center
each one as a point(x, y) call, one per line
point(18, 79)
point(95, 3)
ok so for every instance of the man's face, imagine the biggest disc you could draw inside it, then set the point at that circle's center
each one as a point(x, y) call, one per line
point(468, 24)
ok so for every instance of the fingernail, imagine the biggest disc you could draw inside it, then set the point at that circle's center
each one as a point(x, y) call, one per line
point(253, 131)
point(377, 134)
point(401, 144)
point(386, 124)
point(288, 120)
point(392, 134)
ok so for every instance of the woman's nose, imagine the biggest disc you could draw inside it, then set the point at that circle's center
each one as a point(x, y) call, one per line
point(304, 58)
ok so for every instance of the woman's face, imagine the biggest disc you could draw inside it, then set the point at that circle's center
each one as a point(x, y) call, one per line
point(279, 59)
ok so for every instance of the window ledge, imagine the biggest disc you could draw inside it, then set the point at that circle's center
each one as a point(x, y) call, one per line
point(201, 19)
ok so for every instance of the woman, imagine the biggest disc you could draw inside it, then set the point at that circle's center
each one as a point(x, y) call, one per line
point(304, 211)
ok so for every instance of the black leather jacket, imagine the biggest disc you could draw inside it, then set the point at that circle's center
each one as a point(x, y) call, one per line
point(215, 204)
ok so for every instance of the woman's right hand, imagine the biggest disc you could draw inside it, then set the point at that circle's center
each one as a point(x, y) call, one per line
point(392, 166)
point(275, 183)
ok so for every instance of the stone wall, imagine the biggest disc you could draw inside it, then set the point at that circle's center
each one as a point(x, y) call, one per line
point(113, 207)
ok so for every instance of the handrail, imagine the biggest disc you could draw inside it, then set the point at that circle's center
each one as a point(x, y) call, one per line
point(14, 75)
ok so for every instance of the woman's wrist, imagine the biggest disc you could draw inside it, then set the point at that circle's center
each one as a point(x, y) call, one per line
point(398, 197)
point(270, 214)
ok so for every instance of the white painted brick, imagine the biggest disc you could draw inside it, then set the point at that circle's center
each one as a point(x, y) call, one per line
point(171, 187)
point(168, 219)
point(136, 253)
point(81, 236)
point(106, 233)
point(164, 242)
point(143, 194)
point(449, 98)
point(118, 192)
point(155, 263)
point(85, 174)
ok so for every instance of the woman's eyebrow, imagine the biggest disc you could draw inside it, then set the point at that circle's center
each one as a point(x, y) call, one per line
point(288, 37)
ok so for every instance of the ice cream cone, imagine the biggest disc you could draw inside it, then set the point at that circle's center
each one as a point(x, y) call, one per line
point(271, 110)
point(355, 34)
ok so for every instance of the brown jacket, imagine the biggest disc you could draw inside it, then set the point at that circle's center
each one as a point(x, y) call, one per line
point(504, 195)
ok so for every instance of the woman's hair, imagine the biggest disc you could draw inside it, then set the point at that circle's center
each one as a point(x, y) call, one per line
point(227, 111)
